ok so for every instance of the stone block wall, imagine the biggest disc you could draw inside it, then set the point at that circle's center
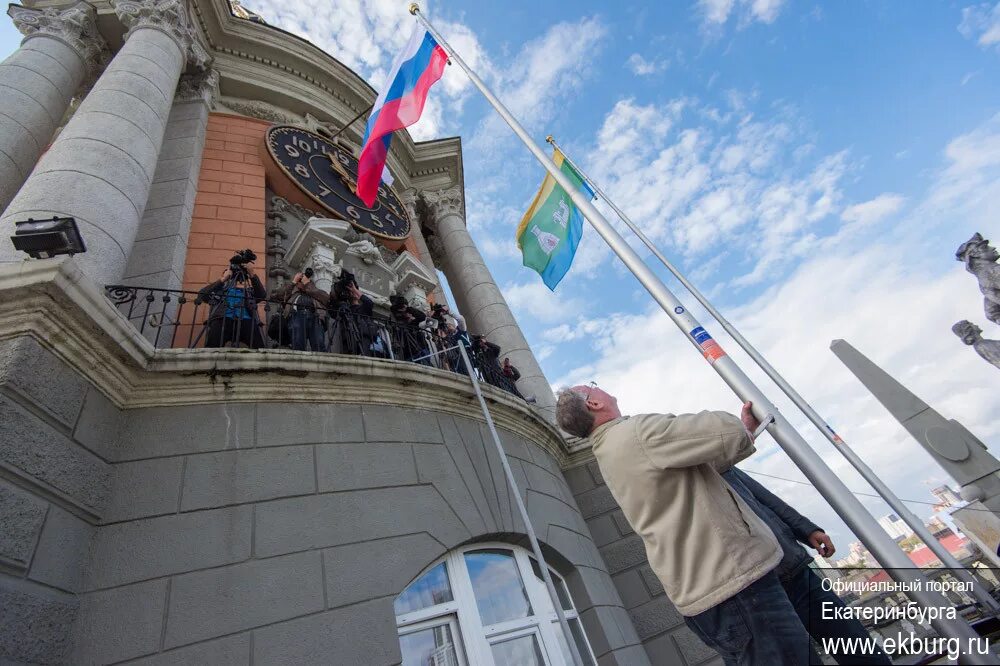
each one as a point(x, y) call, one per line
point(660, 627)
point(265, 533)
point(52, 488)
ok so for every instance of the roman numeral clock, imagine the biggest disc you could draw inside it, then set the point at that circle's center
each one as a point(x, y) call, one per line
point(327, 175)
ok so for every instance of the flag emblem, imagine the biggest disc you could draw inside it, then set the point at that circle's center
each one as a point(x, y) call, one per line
point(551, 229)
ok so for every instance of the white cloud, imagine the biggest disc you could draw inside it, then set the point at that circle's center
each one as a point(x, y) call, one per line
point(546, 70)
point(981, 23)
point(718, 12)
point(642, 67)
point(532, 300)
point(875, 210)
point(699, 181)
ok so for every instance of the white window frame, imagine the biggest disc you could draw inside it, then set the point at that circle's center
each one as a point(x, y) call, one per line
point(471, 635)
point(438, 621)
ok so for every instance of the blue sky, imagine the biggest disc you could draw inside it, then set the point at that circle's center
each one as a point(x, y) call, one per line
point(811, 166)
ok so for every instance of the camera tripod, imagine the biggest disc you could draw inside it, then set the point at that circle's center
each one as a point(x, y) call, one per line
point(234, 329)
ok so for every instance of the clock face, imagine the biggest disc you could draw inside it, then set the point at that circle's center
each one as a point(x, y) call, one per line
point(329, 174)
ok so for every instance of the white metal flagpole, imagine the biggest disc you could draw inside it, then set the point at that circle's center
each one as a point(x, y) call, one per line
point(850, 509)
point(528, 528)
point(947, 559)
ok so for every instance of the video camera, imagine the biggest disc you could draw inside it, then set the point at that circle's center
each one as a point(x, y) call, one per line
point(340, 286)
point(238, 263)
point(397, 304)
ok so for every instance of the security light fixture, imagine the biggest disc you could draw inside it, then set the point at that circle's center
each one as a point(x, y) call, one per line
point(42, 239)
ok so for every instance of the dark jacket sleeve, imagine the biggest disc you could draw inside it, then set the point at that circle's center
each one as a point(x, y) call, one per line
point(259, 293)
point(317, 294)
point(365, 306)
point(514, 373)
point(209, 289)
point(801, 526)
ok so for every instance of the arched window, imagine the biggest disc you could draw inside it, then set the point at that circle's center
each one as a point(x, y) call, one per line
point(486, 605)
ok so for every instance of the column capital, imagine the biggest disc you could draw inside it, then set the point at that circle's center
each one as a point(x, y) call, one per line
point(200, 87)
point(169, 17)
point(442, 203)
point(409, 200)
point(75, 26)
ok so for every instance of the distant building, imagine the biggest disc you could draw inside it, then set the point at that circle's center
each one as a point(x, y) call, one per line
point(956, 545)
point(895, 526)
point(946, 497)
point(858, 556)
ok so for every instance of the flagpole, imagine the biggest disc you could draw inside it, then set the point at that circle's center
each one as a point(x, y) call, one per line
point(947, 559)
point(850, 509)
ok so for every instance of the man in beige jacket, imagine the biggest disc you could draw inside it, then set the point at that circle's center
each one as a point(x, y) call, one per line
point(712, 553)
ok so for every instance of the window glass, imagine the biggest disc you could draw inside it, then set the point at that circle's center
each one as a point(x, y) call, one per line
point(434, 646)
point(567, 604)
point(578, 638)
point(431, 589)
point(523, 651)
point(497, 586)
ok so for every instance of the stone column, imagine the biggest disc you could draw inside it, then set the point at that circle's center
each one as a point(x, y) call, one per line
point(101, 167)
point(37, 82)
point(479, 298)
point(409, 199)
point(160, 249)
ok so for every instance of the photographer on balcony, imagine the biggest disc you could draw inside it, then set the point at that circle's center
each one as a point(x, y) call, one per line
point(233, 319)
point(305, 310)
point(487, 359)
point(410, 336)
point(354, 329)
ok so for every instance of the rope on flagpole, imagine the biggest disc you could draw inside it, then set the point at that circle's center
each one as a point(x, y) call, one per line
point(849, 507)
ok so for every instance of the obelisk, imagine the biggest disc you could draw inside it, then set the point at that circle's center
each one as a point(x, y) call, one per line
point(960, 453)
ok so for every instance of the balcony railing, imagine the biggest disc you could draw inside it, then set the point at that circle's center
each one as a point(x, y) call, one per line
point(171, 318)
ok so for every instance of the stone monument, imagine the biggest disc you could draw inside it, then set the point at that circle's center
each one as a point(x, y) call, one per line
point(972, 335)
point(960, 453)
point(980, 259)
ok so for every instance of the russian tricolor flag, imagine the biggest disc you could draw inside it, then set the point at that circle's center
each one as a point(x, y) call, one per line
point(399, 105)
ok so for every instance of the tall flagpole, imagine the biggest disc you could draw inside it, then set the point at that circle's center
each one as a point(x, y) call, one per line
point(947, 559)
point(850, 509)
point(528, 528)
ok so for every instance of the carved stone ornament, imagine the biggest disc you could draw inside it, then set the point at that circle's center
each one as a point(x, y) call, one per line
point(169, 17)
point(980, 259)
point(75, 26)
point(972, 335)
point(443, 203)
point(201, 87)
point(260, 110)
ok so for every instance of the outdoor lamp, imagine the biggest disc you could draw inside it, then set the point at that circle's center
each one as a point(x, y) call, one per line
point(42, 239)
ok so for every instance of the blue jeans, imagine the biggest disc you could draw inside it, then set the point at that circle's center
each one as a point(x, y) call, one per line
point(305, 326)
point(756, 627)
point(807, 596)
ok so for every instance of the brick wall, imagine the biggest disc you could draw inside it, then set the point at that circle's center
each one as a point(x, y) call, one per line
point(229, 207)
point(660, 627)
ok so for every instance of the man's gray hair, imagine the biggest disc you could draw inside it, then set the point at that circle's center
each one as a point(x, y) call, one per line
point(572, 413)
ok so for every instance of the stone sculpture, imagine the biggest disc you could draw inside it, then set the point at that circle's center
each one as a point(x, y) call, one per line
point(972, 335)
point(980, 259)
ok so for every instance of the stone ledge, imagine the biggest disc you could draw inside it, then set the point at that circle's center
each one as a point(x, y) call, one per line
point(53, 302)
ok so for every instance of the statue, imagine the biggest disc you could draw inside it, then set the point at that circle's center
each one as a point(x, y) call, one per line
point(971, 335)
point(981, 260)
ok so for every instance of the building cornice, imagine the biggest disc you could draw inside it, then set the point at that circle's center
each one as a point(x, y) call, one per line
point(54, 303)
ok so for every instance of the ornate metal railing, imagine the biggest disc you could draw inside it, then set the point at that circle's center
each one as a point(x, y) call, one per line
point(171, 318)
